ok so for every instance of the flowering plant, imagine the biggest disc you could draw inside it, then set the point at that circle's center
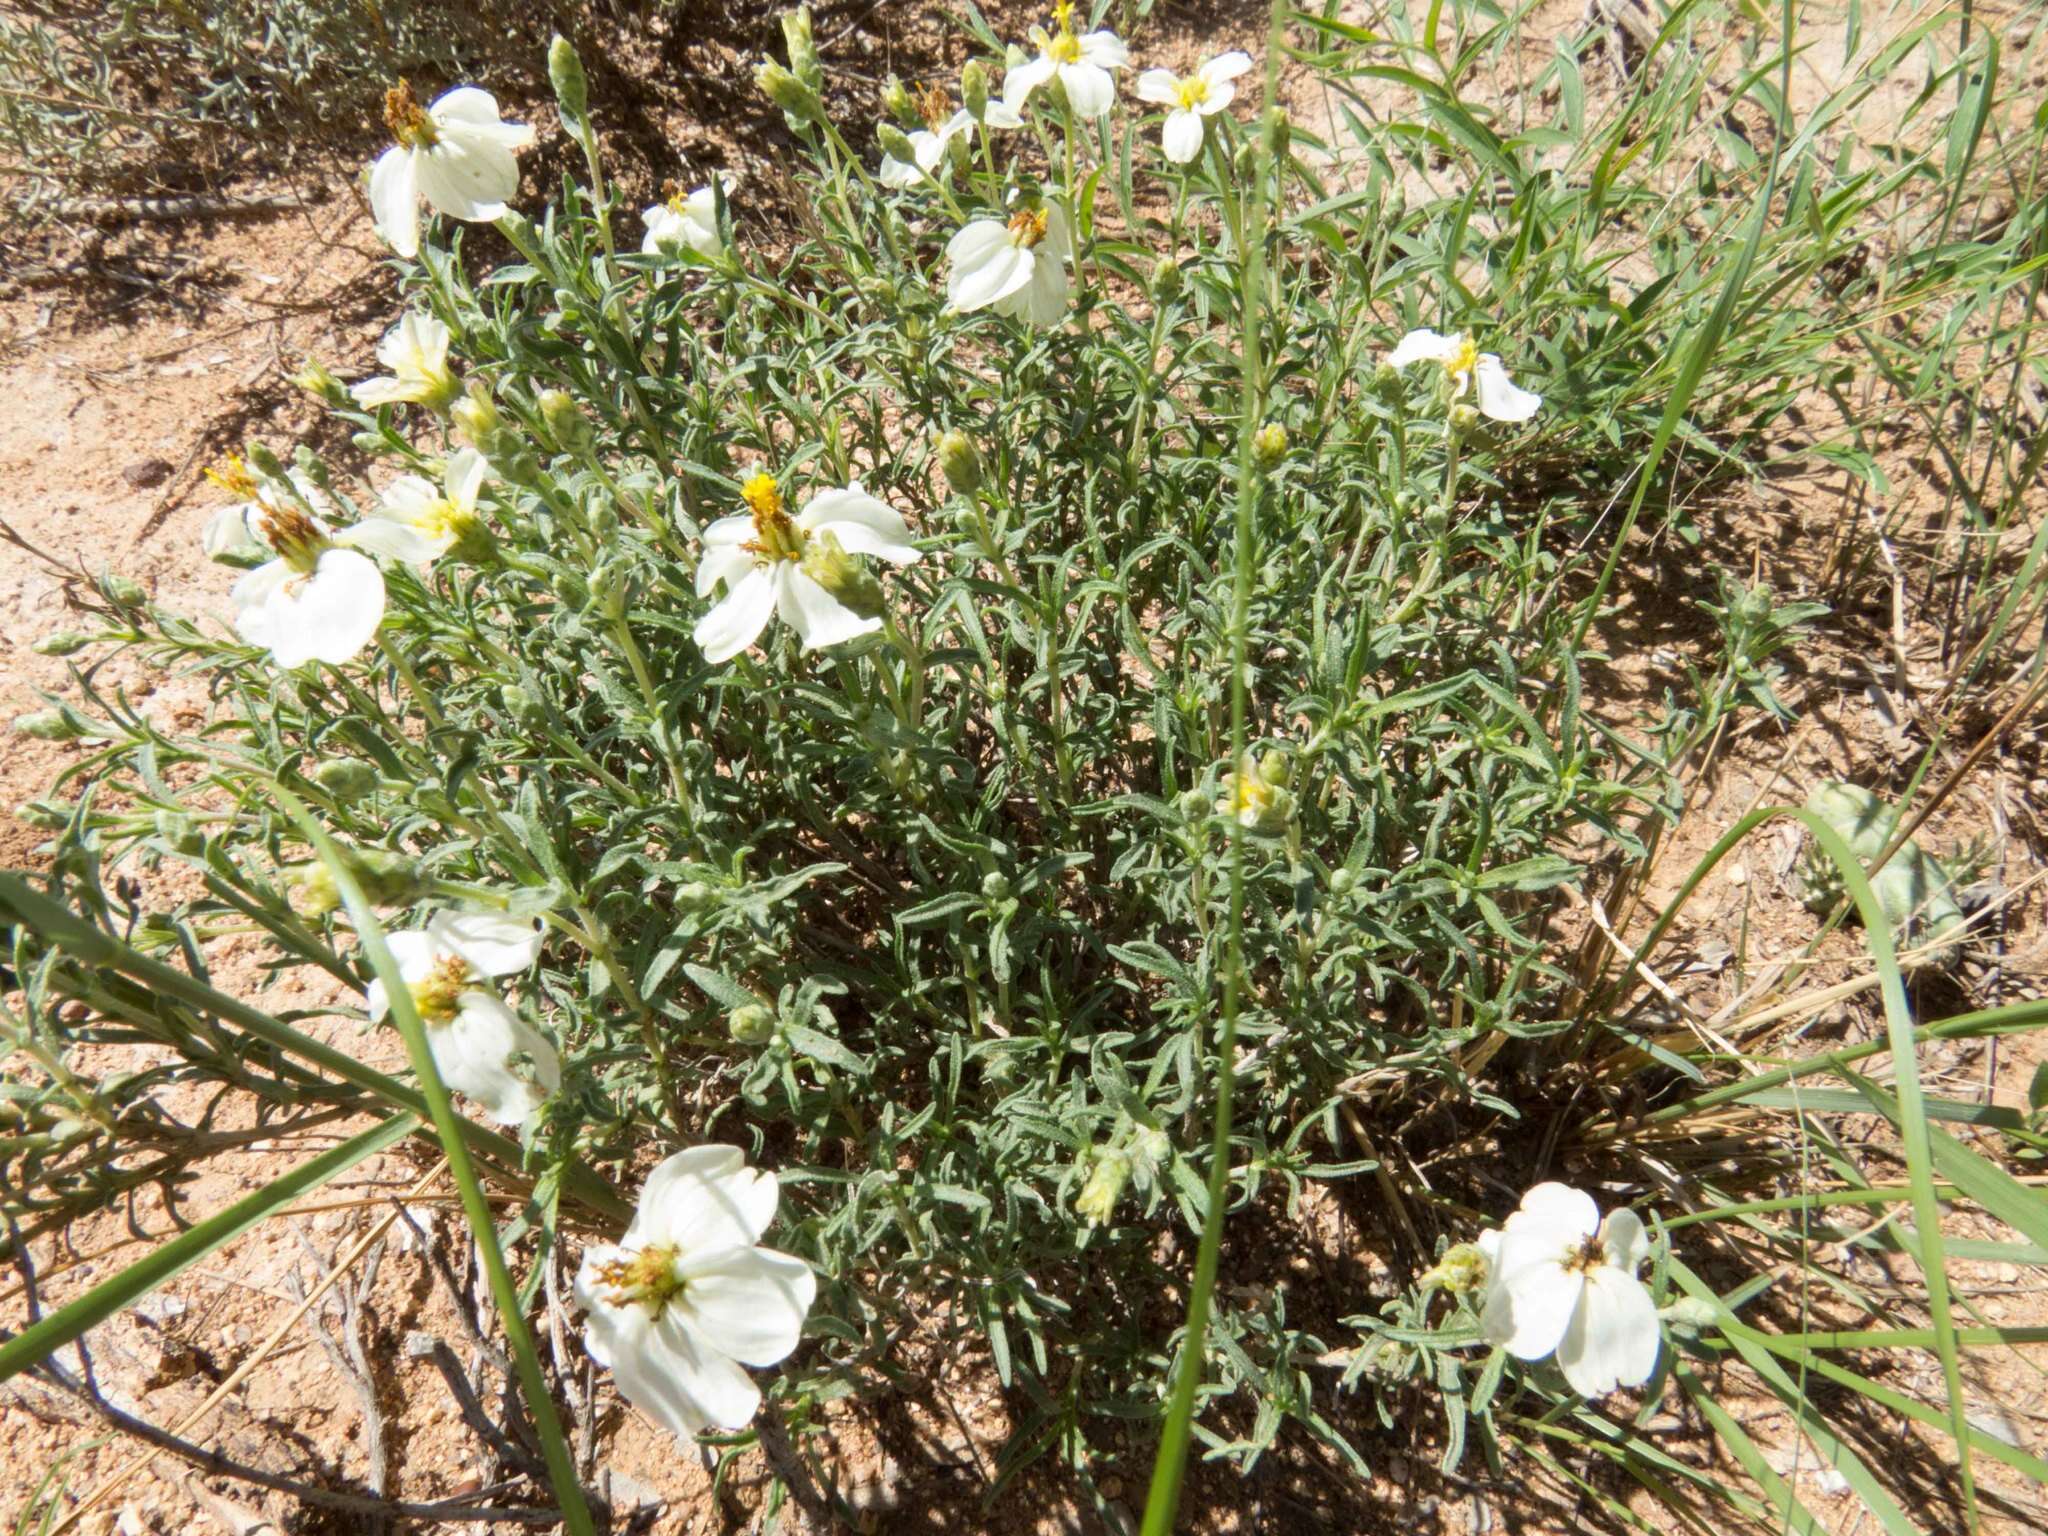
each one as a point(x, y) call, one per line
point(1173, 708)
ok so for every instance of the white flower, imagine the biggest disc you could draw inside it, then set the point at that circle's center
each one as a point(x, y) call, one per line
point(234, 534)
point(317, 601)
point(686, 222)
point(1462, 364)
point(1561, 1280)
point(471, 1031)
point(1018, 267)
point(773, 563)
point(455, 154)
point(418, 522)
point(686, 1299)
point(931, 142)
point(416, 352)
point(1081, 64)
point(1202, 94)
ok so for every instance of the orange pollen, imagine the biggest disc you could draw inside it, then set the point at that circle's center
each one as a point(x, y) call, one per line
point(407, 119)
point(649, 1276)
point(932, 105)
point(1589, 1256)
point(291, 533)
point(1027, 227)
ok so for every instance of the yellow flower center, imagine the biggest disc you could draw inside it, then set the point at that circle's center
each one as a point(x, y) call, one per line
point(1249, 794)
point(1464, 360)
point(407, 119)
point(443, 518)
point(1027, 227)
point(1191, 93)
point(439, 994)
point(933, 106)
point(233, 476)
point(648, 1276)
point(776, 537)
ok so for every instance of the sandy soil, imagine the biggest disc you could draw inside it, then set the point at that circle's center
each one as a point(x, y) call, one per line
point(133, 386)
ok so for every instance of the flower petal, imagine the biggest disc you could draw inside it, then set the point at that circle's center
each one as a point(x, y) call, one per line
point(1553, 1205)
point(739, 618)
point(395, 200)
point(704, 1199)
point(1020, 82)
point(392, 539)
point(1225, 67)
point(473, 1053)
point(1160, 86)
point(492, 943)
point(1105, 50)
point(726, 563)
point(862, 524)
point(467, 179)
point(1613, 1338)
point(730, 530)
point(474, 107)
point(1624, 1241)
point(1531, 1309)
point(1090, 90)
point(1498, 395)
point(1182, 136)
point(818, 617)
point(1423, 346)
point(749, 1303)
point(463, 477)
point(682, 1382)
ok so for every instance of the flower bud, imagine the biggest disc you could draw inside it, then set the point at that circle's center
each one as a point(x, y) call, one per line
point(1463, 418)
point(1168, 281)
point(1269, 444)
point(895, 143)
point(1343, 880)
point(387, 879)
point(65, 642)
point(50, 725)
point(316, 381)
point(1279, 133)
point(959, 461)
point(1097, 1200)
point(1275, 771)
point(798, 101)
point(265, 462)
point(1193, 804)
point(802, 48)
point(1690, 1316)
point(840, 574)
point(974, 89)
point(1461, 1271)
point(476, 418)
point(751, 1023)
point(1386, 379)
point(348, 779)
point(124, 590)
point(565, 422)
point(899, 103)
point(565, 73)
point(995, 885)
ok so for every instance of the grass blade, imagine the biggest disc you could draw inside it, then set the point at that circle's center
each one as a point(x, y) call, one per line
point(190, 1246)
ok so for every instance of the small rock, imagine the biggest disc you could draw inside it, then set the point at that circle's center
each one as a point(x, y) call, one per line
point(627, 1493)
point(1738, 874)
point(145, 473)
